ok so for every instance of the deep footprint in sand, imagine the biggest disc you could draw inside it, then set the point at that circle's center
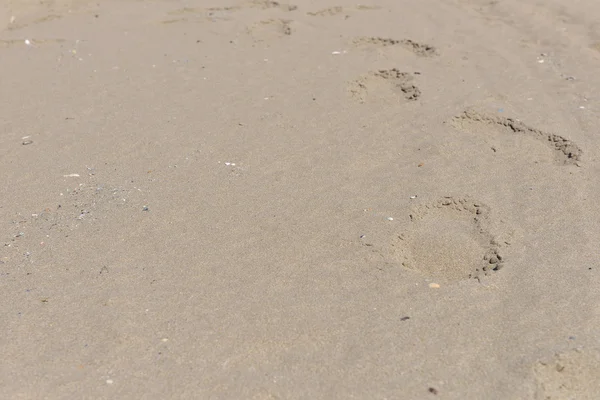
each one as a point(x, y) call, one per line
point(399, 84)
point(449, 240)
point(564, 150)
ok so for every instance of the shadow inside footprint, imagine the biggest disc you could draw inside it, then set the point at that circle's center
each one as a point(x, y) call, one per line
point(448, 240)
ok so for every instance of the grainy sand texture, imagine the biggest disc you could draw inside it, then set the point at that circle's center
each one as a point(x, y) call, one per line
point(253, 199)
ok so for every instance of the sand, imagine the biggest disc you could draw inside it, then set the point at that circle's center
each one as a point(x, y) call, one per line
point(318, 200)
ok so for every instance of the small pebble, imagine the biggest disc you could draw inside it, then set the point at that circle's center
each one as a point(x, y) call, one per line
point(493, 260)
point(434, 285)
point(26, 142)
point(390, 218)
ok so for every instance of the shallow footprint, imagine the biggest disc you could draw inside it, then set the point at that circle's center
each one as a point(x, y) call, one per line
point(419, 49)
point(449, 240)
point(266, 4)
point(574, 374)
point(196, 14)
point(270, 29)
point(337, 10)
point(393, 80)
point(564, 150)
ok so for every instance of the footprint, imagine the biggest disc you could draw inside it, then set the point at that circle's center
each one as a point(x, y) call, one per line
point(196, 14)
point(420, 49)
point(400, 83)
point(449, 240)
point(574, 374)
point(267, 29)
point(265, 4)
point(566, 152)
point(200, 14)
point(327, 12)
point(331, 11)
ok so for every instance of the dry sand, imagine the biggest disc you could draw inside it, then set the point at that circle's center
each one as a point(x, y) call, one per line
point(317, 200)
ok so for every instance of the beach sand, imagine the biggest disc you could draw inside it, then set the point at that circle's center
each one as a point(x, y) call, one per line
point(308, 200)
